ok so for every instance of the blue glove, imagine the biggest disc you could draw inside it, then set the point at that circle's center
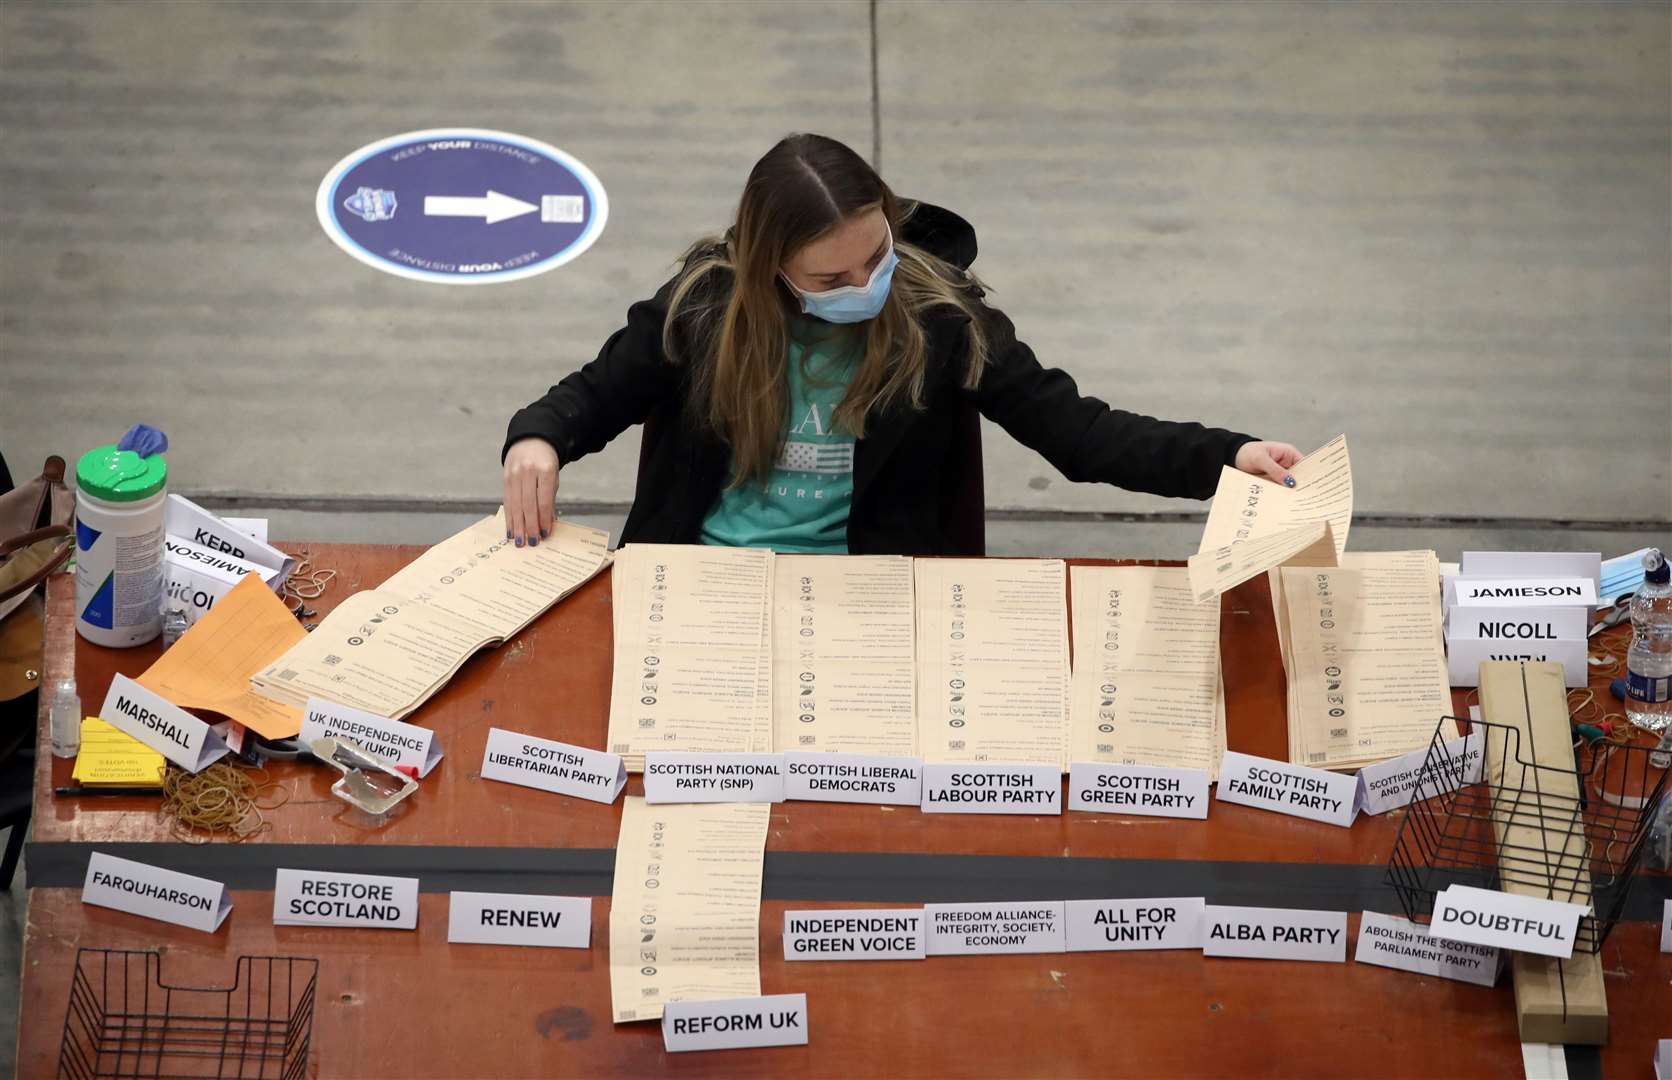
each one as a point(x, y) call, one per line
point(144, 440)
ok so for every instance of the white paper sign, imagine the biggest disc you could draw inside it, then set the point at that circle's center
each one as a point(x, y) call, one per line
point(189, 521)
point(194, 577)
point(163, 726)
point(1275, 934)
point(514, 758)
point(1666, 927)
point(182, 899)
point(1524, 592)
point(1663, 1059)
point(1124, 925)
point(687, 777)
point(1390, 784)
point(390, 740)
point(254, 528)
point(485, 918)
point(1490, 917)
point(1463, 657)
point(735, 1023)
point(855, 934)
point(1511, 625)
point(1532, 564)
point(1138, 789)
point(1288, 789)
point(322, 898)
point(991, 789)
point(1034, 926)
point(853, 778)
point(1389, 941)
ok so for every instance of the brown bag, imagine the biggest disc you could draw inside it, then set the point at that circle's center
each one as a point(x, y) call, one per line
point(36, 537)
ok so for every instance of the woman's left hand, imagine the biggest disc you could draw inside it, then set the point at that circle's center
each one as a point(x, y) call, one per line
point(1271, 460)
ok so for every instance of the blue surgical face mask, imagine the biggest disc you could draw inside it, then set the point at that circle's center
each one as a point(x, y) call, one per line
point(852, 303)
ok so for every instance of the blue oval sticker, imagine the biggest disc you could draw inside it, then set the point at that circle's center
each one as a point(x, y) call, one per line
point(462, 206)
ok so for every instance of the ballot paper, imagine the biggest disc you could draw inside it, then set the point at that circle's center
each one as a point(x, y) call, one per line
point(1363, 651)
point(685, 906)
point(1277, 524)
point(1146, 687)
point(211, 666)
point(842, 654)
point(992, 661)
point(693, 650)
point(386, 650)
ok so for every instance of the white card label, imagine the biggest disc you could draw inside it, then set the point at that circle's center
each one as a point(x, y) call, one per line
point(322, 898)
point(1122, 925)
point(555, 922)
point(1389, 941)
point(163, 726)
point(391, 740)
point(1275, 934)
point(965, 929)
point(150, 891)
point(1288, 789)
point(1663, 1060)
point(685, 777)
point(1490, 917)
point(1666, 927)
point(991, 789)
point(194, 577)
point(514, 758)
point(1525, 592)
point(853, 778)
point(735, 1023)
point(857, 934)
point(1391, 784)
point(1511, 625)
point(1464, 655)
point(189, 521)
point(1138, 789)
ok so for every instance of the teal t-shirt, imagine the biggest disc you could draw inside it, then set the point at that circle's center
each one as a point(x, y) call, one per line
point(804, 504)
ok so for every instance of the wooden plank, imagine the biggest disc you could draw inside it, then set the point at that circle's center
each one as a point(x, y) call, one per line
point(1542, 851)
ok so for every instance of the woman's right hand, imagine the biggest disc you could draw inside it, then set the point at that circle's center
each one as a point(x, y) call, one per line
point(530, 490)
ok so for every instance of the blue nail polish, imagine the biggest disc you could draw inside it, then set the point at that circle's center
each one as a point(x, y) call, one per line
point(519, 541)
point(507, 534)
point(1288, 481)
point(544, 533)
point(533, 541)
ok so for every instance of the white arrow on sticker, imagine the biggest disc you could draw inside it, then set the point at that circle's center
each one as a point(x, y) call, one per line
point(493, 206)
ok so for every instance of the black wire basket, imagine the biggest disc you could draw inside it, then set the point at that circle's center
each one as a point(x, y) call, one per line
point(1493, 818)
point(124, 1021)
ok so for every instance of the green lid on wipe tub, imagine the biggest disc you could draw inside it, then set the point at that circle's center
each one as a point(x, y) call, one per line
point(126, 471)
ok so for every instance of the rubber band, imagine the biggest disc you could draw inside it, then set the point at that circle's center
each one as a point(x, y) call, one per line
point(221, 799)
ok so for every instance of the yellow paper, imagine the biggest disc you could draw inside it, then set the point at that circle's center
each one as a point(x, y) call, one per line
point(1147, 688)
point(685, 905)
point(992, 660)
point(112, 758)
point(842, 650)
point(693, 650)
point(211, 665)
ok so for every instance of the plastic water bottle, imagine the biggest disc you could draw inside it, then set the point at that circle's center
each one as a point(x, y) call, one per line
point(64, 715)
point(1649, 660)
point(174, 624)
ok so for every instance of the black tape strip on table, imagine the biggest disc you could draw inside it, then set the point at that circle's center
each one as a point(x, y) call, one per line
point(791, 875)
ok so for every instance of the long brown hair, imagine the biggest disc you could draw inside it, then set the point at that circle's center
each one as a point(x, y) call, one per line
point(737, 343)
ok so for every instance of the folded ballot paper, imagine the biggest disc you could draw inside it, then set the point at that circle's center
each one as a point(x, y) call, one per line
point(386, 650)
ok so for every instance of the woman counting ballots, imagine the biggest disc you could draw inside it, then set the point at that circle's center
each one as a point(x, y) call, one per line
point(808, 383)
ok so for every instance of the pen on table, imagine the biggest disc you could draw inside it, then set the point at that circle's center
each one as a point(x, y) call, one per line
point(106, 791)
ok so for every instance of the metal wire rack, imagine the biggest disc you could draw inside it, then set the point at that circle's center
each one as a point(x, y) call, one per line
point(1489, 816)
point(124, 1021)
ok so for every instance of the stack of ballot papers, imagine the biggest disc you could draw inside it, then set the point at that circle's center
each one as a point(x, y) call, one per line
point(843, 653)
point(1363, 647)
point(992, 660)
point(1147, 687)
point(112, 758)
point(693, 650)
point(685, 905)
point(386, 650)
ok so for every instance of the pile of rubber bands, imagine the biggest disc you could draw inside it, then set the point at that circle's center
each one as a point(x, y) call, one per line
point(306, 582)
point(222, 799)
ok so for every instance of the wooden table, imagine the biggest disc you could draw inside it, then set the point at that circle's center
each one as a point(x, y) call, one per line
point(393, 1003)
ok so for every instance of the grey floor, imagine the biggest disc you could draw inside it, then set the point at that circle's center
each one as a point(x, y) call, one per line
point(1442, 228)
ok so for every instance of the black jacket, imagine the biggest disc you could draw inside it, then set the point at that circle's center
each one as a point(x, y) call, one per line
point(907, 460)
